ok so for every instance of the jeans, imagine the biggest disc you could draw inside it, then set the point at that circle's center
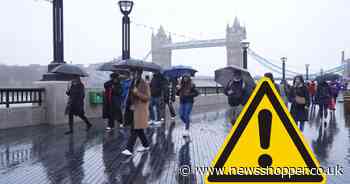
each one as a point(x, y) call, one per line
point(185, 113)
point(132, 140)
point(155, 102)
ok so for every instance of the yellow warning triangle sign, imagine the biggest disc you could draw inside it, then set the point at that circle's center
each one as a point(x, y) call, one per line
point(265, 145)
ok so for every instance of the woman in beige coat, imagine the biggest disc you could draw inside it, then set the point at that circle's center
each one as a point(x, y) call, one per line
point(140, 97)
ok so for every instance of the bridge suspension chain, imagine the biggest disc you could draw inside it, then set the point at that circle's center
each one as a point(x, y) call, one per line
point(275, 67)
point(257, 56)
point(270, 67)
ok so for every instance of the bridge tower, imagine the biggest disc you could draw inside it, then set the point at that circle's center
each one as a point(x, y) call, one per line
point(160, 55)
point(234, 35)
point(346, 72)
point(162, 45)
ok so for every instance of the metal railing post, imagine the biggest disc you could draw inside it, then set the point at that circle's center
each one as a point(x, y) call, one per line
point(40, 93)
point(7, 99)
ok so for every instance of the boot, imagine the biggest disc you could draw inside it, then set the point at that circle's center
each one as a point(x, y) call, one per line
point(88, 124)
point(70, 129)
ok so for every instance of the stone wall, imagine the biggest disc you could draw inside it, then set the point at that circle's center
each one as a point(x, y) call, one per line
point(54, 103)
point(22, 116)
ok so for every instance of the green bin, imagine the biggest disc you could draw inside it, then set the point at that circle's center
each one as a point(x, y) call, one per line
point(96, 97)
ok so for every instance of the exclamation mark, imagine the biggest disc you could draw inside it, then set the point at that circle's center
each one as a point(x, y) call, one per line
point(265, 120)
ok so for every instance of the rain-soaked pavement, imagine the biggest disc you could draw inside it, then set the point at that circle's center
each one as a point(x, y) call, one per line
point(43, 154)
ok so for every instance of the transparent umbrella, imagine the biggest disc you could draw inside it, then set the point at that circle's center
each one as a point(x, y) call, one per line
point(137, 65)
point(224, 75)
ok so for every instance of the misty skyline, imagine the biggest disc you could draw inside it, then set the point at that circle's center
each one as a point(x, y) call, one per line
point(313, 31)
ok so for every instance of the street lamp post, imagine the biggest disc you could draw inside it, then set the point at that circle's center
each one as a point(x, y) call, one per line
point(126, 8)
point(307, 71)
point(245, 46)
point(58, 52)
point(284, 59)
point(58, 49)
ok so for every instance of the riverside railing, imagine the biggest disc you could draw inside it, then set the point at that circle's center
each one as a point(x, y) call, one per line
point(9, 96)
point(210, 90)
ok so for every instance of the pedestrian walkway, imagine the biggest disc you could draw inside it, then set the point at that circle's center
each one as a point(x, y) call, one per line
point(43, 154)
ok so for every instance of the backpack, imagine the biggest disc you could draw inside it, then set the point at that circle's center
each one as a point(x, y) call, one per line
point(235, 98)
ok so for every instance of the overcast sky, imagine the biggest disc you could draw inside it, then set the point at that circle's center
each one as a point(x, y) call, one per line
point(306, 31)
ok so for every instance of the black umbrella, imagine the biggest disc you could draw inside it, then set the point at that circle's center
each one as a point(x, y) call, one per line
point(138, 64)
point(69, 69)
point(224, 75)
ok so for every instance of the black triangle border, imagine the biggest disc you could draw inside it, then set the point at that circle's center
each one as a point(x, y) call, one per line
point(265, 88)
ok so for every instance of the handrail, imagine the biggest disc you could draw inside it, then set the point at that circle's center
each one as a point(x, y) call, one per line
point(210, 90)
point(10, 96)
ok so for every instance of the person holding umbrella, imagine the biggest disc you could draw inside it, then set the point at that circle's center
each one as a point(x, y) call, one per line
point(156, 94)
point(139, 101)
point(75, 105)
point(113, 101)
point(299, 97)
point(171, 76)
point(75, 93)
point(323, 97)
point(236, 93)
point(187, 92)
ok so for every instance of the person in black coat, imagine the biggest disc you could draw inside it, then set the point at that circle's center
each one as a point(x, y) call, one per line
point(112, 101)
point(172, 92)
point(75, 105)
point(155, 106)
point(299, 97)
point(323, 98)
point(167, 97)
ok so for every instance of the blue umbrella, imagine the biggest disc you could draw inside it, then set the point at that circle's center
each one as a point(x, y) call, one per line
point(179, 71)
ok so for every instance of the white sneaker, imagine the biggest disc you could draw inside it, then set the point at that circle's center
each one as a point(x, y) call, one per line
point(173, 118)
point(151, 122)
point(127, 152)
point(157, 122)
point(142, 149)
point(162, 119)
point(108, 129)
